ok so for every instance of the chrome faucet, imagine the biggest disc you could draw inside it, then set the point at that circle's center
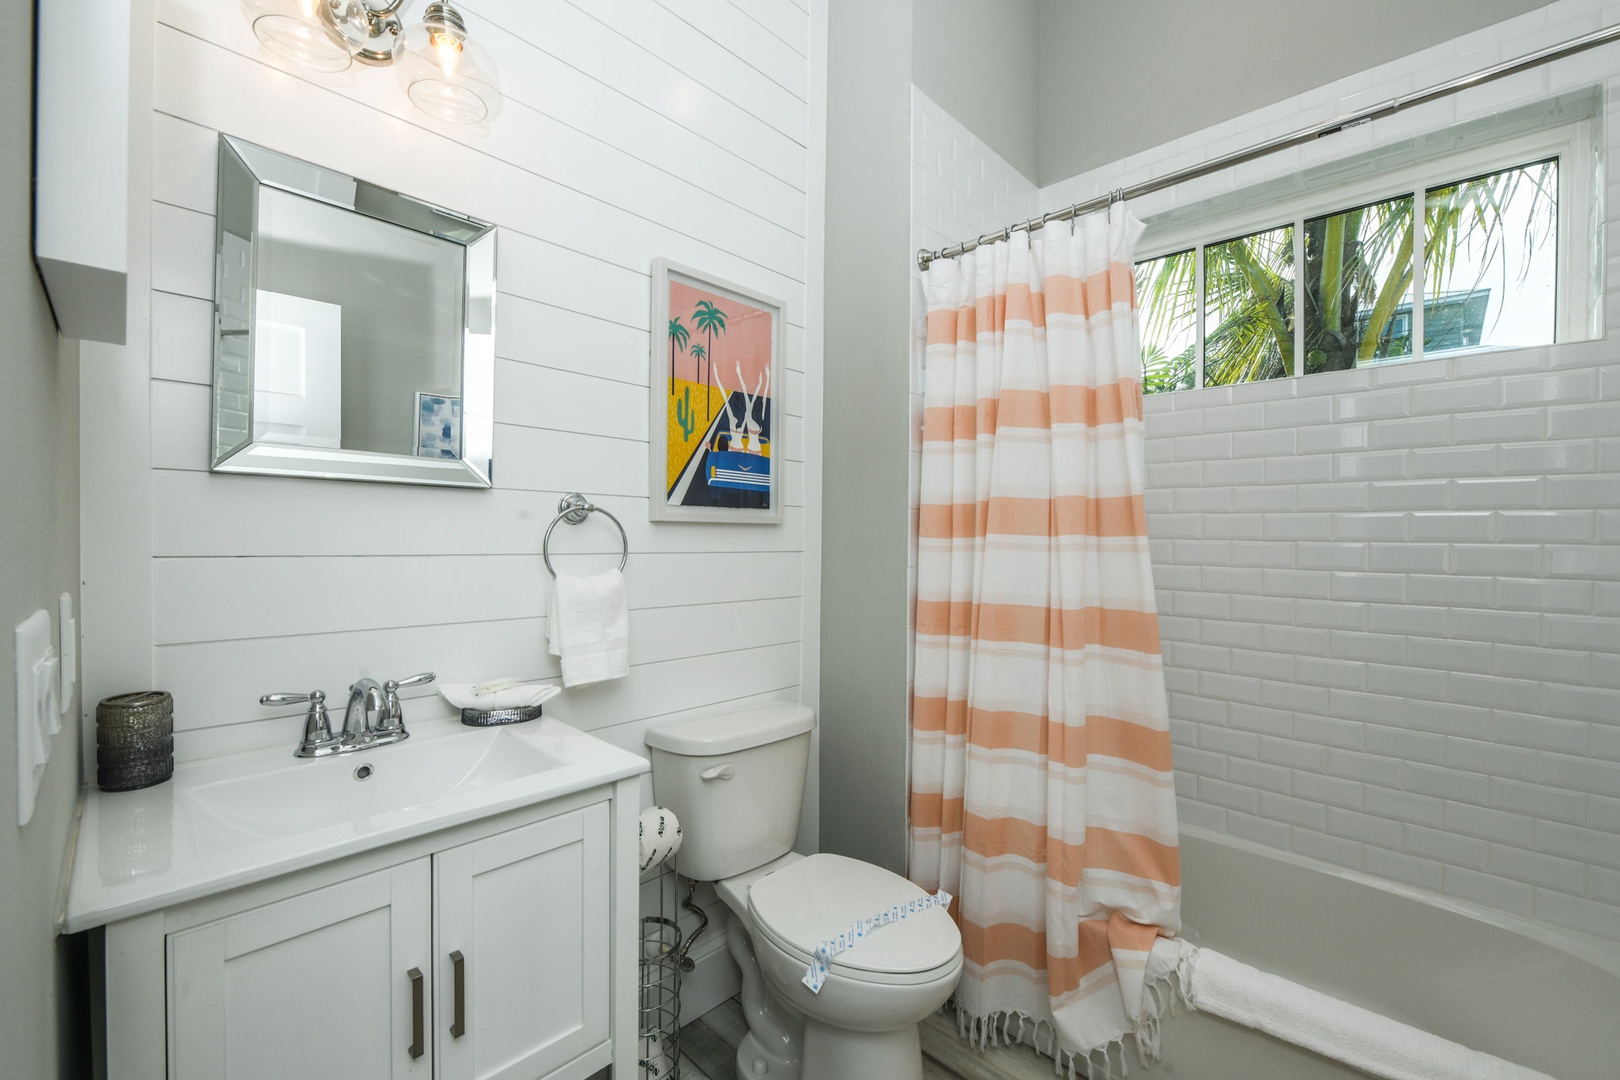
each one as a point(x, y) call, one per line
point(374, 717)
point(365, 699)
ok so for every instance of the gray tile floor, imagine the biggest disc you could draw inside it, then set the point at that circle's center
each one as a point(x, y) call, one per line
point(709, 1051)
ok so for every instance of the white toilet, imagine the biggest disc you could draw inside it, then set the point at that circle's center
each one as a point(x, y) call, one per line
point(736, 781)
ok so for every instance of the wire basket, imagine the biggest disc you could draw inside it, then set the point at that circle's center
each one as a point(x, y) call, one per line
point(658, 1013)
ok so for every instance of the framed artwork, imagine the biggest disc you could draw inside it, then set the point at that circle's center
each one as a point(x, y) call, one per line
point(438, 425)
point(715, 423)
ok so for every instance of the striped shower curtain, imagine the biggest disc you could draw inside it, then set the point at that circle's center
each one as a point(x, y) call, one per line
point(1041, 789)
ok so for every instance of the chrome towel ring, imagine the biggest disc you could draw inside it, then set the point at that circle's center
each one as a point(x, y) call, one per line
point(574, 509)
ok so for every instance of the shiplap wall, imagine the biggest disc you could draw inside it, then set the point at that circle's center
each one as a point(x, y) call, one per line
point(1390, 597)
point(630, 130)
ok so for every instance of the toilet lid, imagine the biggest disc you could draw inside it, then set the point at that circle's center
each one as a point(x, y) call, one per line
point(821, 896)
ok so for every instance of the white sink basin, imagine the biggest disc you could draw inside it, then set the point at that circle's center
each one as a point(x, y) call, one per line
point(229, 821)
point(307, 795)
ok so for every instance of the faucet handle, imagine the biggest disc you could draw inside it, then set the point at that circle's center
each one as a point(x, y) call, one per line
point(391, 720)
point(291, 699)
point(318, 737)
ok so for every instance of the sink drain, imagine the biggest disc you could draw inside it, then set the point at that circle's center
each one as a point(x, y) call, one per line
point(364, 772)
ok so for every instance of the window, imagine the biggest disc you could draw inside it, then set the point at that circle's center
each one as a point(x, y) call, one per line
point(1336, 281)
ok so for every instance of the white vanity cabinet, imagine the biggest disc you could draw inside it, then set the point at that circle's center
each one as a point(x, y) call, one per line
point(499, 948)
point(521, 948)
point(330, 983)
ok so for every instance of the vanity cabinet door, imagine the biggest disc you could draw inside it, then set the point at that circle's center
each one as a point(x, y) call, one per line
point(526, 913)
point(318, 985)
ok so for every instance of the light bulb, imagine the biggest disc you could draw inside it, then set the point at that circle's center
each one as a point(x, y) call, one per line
point(445, 72)
point(446, 50)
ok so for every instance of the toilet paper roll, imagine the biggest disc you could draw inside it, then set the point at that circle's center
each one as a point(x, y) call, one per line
point(660, 836)
point(655, 1062)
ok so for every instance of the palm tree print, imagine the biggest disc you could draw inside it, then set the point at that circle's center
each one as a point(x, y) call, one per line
point(711, 320)
point(678, 337)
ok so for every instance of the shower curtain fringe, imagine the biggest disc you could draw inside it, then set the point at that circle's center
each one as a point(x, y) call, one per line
point(1159, 999)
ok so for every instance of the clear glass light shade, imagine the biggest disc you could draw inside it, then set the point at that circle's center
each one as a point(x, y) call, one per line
point(299, 31)
point(445, 73)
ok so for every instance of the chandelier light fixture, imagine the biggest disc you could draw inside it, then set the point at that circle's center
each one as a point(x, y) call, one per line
point(444, 72)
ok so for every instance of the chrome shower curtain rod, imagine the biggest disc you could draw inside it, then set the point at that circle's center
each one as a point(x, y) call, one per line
point(1283, 142)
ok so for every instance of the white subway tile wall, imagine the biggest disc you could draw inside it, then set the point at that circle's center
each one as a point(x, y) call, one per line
point(1390, 598)
point(960, 188)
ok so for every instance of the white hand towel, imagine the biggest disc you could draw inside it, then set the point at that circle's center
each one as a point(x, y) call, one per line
point(588, 627)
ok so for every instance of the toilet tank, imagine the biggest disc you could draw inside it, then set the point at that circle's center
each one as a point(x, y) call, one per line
point(736, 782)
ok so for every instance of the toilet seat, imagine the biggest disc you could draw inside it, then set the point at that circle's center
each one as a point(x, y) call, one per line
point(818, 897)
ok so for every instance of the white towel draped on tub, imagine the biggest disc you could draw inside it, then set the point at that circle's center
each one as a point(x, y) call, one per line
point(1336, 1029)
point(588, 627)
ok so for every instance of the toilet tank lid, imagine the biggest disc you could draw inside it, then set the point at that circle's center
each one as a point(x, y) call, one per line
point(727, 733)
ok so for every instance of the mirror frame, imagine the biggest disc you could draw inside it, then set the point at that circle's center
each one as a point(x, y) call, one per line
point(246, 169)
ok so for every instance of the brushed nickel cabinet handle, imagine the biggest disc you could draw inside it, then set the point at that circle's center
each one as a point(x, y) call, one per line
point(458, 965)
point(418, 1010)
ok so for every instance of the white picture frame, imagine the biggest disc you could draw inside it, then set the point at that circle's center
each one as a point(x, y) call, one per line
point(718, 457)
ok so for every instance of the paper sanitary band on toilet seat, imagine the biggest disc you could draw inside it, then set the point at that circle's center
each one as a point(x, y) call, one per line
point(816, 975)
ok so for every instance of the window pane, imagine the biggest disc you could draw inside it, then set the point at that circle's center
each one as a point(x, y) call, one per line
point(1249, 308)
point(1358, 286)
point(1492, 251)
point(1167, 292)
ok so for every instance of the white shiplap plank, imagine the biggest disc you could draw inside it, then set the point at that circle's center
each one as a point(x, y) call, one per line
point(182, 251)
point(570, 96)
point(536, 459)
point(221, 599)
point(536, 270)
point(272, 108)
point(788, 20)
point(701, 58)
point(220, 514)
point(185, 163)
point(540, 397)
point(182, 338)
point(589, 46)
point(520, 34)
point(556, 161)
point(180, 436)
point(713, 679)
point(747, 40)
point(536, 332)
point(223, 679)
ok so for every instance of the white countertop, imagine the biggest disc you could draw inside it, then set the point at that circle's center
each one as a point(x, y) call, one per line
point(231, 821)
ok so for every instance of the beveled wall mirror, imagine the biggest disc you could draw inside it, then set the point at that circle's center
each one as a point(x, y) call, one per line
point(354, 328)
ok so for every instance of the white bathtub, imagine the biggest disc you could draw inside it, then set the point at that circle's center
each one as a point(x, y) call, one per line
point(1537, 996)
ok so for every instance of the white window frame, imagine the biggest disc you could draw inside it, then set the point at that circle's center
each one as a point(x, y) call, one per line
point(1578, 303)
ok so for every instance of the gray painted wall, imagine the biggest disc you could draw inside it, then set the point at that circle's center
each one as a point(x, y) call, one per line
point(864, 507)
point(1117, 78)
point(39, 558)
point(977, 60)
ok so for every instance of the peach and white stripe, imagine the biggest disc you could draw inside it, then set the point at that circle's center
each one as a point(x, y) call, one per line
point(1041, 785)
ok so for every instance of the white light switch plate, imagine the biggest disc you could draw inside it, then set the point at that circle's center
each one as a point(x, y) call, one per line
point(38, 715)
